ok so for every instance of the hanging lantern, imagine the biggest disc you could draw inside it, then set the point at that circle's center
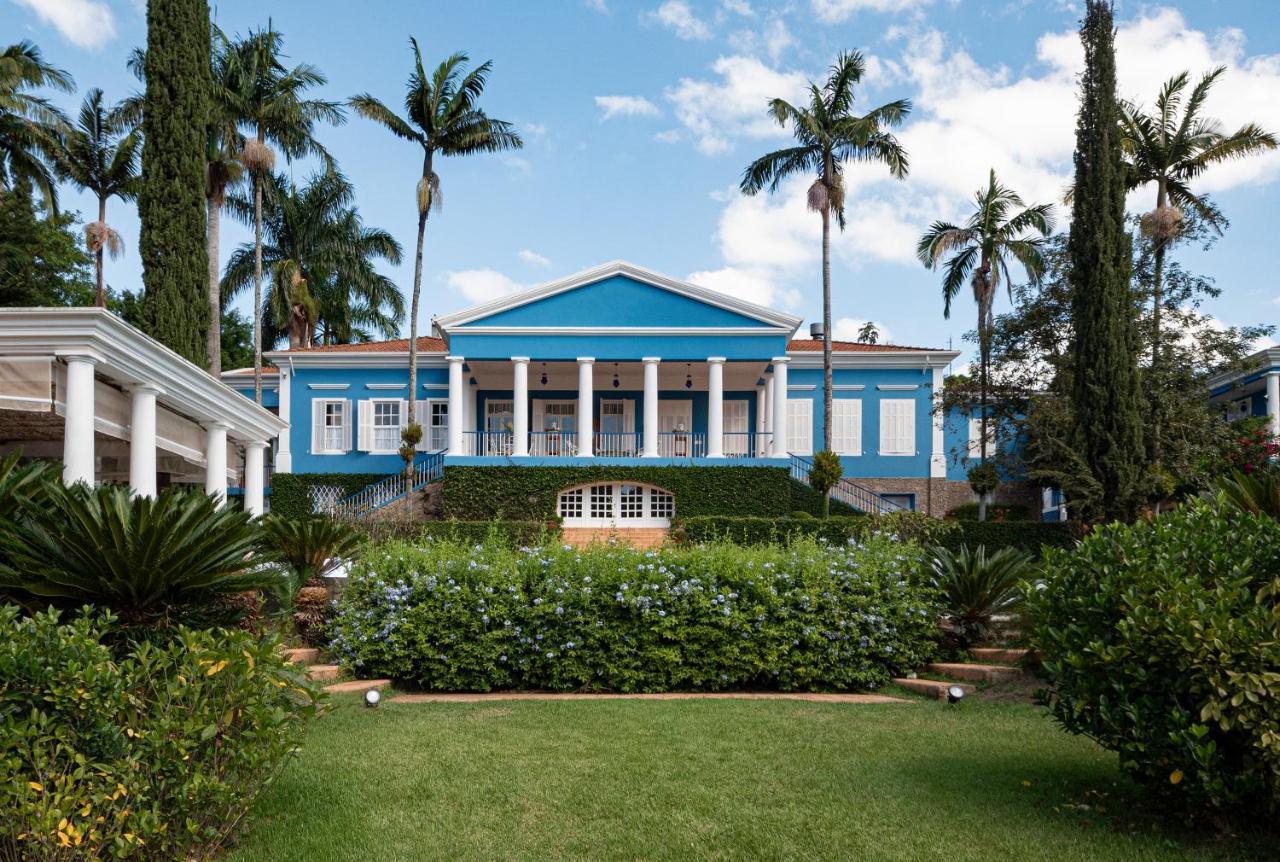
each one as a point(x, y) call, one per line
point(616, 382)
point(544, 374)
point(688, 377)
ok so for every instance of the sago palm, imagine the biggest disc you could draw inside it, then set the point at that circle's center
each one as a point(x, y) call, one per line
point(99, 154)
point(828, 133)
point(320, 259)
point(1001, 227)
point(269, 100)
point(29, 124)
point(978, 586)
point(1171, 148)
point(443, 118)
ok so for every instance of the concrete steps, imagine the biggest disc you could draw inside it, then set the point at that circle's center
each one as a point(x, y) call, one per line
point(974, 672)
point(357, 685)
point(323, 672)
point(999, 655)
point(302, 655)
point(931, 687)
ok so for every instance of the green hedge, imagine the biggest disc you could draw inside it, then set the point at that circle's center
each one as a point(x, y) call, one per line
point(995, 512)
point(1029, 536)
point(513, 534)
point(485, 493)
point(805, 499)
point(291, 492)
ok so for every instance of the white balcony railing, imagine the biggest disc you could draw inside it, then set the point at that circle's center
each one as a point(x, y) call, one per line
point(615, 444)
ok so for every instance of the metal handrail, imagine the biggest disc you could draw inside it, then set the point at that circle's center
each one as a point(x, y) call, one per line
point(615, 444)
point(682, 444)
point(428, 467)
point(847, 492)
point(553, 444)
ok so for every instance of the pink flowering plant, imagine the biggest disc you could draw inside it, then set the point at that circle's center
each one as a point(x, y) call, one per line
point(808, 616)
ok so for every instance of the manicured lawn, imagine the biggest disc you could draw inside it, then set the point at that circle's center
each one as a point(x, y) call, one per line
point(704, 780)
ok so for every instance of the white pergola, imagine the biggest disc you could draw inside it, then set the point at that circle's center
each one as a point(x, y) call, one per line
point(85, 379)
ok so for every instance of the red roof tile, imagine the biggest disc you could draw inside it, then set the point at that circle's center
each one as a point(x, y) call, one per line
point(248, 372)
point(814, 345)
point(425, 345)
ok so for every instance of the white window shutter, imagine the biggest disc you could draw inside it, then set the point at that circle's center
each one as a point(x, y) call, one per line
point(907, 428)
point(422, 416)
point(975, 437)
point(346, 425)
point(366, 425)
point(317, 425)
point(897, 426)
point(800, 426)
point(846, 421)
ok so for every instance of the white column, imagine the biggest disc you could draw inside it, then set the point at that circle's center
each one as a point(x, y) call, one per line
point(1273, 401)
point(78, 413)
point(215, 461)
point(938, 458)
point(768, 408)
point(780, 406)
point(457, 408)
point(650, 407)
point(142, 442)
point(715, 407)
point(254, 475)
point(520, 397)
point(585, 413)
point(284, 457)
point(761, 407)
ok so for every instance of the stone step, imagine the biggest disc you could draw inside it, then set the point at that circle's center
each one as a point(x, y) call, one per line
point(976, 672)
point(1000, 655)
point(323, 672)
point(932, 687)
point(357, 685)
point(302, 655)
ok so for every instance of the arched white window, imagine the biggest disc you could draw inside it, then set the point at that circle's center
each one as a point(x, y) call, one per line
point(616, 504)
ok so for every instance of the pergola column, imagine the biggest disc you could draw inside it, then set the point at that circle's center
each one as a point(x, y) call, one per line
point(456, 405)
point(78, 413)
point(142, 441)
point(284, 455)
point(254, 476)
point(586, 384)
point(779, 447)
point(650, 449)
point(215, 461)
point(715, 407)
point(520, 405)
point(1273, 401)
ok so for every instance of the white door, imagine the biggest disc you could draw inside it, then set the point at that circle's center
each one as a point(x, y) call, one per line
point(498, 423)
point(675, 426)
point(556, 422)
point(735, 428)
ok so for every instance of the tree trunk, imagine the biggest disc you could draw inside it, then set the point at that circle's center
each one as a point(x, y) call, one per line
point(1157, 302)
point(100, 243)
point(417, 293)
point(213, 339)
point(257, 277)
point(828, 176)
point(984, 360)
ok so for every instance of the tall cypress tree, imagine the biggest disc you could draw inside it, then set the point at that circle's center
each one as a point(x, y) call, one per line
point(171, 201)
point(1106, 398)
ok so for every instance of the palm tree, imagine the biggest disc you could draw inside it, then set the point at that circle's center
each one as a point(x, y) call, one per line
point(100, 155)
point(442, 118)
point(29, 125)
point(1001, 227)
point(1172, 151)
point(269, 101)
point(828, 134)
point(223, 171)
point(320, 259)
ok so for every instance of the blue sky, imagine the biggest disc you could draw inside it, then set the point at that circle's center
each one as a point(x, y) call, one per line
point(639, 117)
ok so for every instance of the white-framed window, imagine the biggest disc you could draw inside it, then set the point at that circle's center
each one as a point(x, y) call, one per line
point(380, 422)
point(1239, 408)
point(616, 504)
point(433, 415)
point(846, 426)
point(800, 426)
point(975, 437)
point(330, 426)
point(897, 426)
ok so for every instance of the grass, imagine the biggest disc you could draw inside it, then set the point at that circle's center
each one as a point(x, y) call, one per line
point(705, 779)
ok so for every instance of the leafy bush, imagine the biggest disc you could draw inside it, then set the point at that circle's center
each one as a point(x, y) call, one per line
point(838, 530)
point(1257, 492)
point(484, 493)
point(453, 616)
point(514, 533)
point(157, 754)
point(291, 492)
point(825, 475)
point(143, 558)
point(1161, 641)
point(312, 547)
point(977, 586)
point(995, 512)
point(805, 499)
point(1030, 536)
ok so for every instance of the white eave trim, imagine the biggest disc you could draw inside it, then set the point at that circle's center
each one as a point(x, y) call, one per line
point(350, 359)
point(777, 319)
point(1263, 359)
point(621, 330)
point(872, 359)
point(131, 357)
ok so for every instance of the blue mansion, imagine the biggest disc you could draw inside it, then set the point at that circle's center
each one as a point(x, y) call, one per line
point(622, 366)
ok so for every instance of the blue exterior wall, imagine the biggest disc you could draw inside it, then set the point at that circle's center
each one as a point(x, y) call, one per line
point(617, 301)
point(270, 397)
point(956, 447)
point(671, 348)
point(1251, 377)
point(699, 400)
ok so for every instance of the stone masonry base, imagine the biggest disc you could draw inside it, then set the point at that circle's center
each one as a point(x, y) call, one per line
point(641, 537)
point(936, 497)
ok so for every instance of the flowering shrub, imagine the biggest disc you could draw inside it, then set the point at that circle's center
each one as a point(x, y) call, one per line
point(142, 752)
point(1254, 448)
point(478, 617)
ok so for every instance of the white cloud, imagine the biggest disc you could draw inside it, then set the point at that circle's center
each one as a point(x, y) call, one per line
point(532, 257)
point(596, 5)
point(835, 11)
point(669, 136)
point(773, 39)
point(85, 23)
point(738, 7)
point(518, 164)
point(625, 106)
point(535, 131)
point(848, 328)
point(753, 285)
point(481, 285)
point(736, 105)
point(678, 17)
